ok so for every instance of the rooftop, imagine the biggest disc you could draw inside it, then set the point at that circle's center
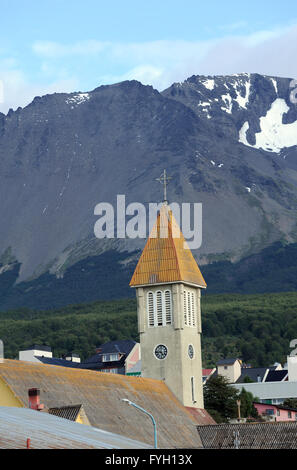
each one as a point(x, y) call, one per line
point(101, 396)
point(51, 432)
point(166, 256)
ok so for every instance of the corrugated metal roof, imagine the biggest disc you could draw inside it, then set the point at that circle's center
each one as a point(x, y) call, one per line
point(166, 256)
point(46, 431)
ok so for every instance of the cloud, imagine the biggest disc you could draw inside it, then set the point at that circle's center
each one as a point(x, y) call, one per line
point(54, 50)
point(88, 64)
point(266, 52)
point(16, 89)
point(160, 63)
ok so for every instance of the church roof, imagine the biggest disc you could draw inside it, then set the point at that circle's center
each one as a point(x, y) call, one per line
point(166, 256)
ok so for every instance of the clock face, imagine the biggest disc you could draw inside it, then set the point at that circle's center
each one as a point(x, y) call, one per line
point(191, 351)
point(161, 351)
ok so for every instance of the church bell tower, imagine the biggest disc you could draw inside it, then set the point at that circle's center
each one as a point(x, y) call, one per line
point(168, 286)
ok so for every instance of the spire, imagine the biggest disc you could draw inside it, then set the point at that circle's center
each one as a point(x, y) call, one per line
point(165, 258)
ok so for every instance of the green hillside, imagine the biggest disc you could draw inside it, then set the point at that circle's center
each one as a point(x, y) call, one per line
point(258, 328)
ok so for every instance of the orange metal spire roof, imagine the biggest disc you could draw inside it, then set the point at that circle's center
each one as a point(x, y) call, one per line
point(166, 256)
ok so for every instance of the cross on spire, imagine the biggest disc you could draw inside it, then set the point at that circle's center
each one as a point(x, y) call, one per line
point(164, 179)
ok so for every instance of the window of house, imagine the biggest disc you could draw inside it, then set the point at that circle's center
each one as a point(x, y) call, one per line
point(225, 367)
point(110, 371)
point(278, 412)
point(289, 414)
point(159, 308)
point(110, 357)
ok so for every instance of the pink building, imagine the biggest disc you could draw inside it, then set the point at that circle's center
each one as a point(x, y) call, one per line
point(276, 412)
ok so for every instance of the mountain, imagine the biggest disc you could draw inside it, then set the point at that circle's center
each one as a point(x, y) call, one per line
point(228, 142)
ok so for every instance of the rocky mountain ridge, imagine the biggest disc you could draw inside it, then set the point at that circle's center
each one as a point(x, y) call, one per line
point(227, 142)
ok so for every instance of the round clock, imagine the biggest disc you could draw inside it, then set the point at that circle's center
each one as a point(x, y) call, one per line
point(191, 351)
point(161, 351)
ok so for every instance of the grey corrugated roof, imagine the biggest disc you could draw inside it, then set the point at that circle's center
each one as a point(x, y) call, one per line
point(51, 432)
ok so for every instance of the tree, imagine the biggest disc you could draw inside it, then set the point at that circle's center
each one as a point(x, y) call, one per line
point(290, 402)
point(220, 399)
point(247, 408)
point(247, 379)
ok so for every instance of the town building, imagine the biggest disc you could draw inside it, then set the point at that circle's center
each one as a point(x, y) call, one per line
point(168, 286)
point(117, 357)
point(271, 385)
point(276, 412)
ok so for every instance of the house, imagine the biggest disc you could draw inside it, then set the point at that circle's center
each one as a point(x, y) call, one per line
point(229, 368)
point(117, 357)
point(276, 412)
point(43, 354)
point(276, 385)
point(34, 352)
point(253, 374)
point(101, 396)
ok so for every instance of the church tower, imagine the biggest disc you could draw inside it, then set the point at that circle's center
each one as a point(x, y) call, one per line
point(168, 286)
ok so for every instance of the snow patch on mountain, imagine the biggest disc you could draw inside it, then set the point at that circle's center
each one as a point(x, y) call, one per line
point(274, 82)
point(228, 102)
point(78, 99)
point(209, 83)
point(274, 134)
point(243, 100)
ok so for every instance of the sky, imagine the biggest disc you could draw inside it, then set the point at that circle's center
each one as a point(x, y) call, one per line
point(52, 46)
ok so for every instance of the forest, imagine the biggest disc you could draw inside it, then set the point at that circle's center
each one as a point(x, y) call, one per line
point(257, 328)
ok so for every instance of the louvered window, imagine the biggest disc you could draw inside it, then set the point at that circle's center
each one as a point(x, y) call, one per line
point(185, 308)
point(189, 310)
point(159, 308)
point(150, 309)
point(193, 309)
point(168, 309)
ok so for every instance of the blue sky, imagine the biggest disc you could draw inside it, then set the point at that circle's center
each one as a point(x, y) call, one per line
point(75, 45)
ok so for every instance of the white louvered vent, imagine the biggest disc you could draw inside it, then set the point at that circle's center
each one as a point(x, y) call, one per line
point(193, 309)
point(168, 309)
point(150, 307)
point(185, 308)
point(159, 308)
